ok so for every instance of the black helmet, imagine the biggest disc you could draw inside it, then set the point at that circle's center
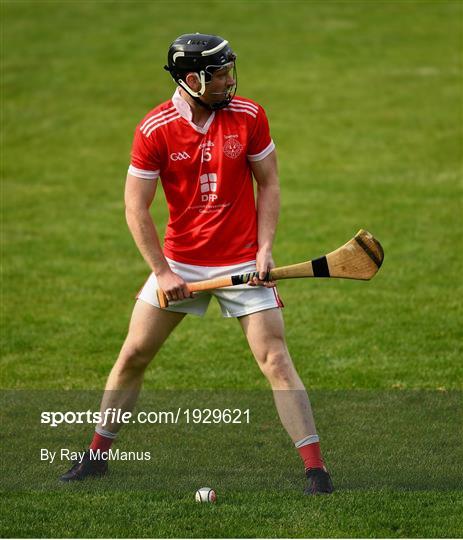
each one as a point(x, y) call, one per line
point(202, 54)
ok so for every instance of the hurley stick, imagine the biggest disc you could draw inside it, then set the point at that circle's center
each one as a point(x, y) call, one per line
point(360, 258)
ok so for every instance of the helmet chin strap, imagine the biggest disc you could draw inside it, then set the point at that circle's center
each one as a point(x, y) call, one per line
point(202, 79)
point(212, 106)
point(196, 95)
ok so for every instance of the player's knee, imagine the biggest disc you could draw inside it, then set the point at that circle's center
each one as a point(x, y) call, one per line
point(134, 358)
point(278, 367)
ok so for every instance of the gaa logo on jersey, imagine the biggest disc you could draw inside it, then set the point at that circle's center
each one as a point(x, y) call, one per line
point(232, 147)
point(177, 156)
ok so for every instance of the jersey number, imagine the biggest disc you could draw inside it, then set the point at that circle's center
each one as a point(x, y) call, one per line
point(206, 149)
point(206, 155)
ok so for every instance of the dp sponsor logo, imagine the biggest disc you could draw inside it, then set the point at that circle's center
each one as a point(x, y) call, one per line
point(208, 183)
point(178, 156)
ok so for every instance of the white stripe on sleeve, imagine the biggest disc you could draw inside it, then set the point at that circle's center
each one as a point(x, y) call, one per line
point(261, 155)
point(141, 173)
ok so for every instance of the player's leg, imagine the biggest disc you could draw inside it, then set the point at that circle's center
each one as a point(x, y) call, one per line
point(264, 331)
point(149, 328)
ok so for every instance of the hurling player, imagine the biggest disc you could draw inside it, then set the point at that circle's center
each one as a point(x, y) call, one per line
point(207, 146)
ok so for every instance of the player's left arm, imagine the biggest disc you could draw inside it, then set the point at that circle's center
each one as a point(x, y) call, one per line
point(265, 173)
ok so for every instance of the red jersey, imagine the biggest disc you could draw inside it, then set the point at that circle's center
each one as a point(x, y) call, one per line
point(206, 177)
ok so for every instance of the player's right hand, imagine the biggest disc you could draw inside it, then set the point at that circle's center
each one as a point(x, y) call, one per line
point(174, 286)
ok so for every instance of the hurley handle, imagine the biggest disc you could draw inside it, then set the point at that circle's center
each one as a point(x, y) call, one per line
point(199, 286)
point(216, 283)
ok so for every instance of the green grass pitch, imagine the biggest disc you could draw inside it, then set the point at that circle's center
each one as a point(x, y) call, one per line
point(364, 101)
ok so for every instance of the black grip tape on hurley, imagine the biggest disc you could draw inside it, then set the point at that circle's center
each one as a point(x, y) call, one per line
point(320, 267)
point(240, 279)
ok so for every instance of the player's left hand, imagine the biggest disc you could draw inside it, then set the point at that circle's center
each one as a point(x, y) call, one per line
point(264, 263)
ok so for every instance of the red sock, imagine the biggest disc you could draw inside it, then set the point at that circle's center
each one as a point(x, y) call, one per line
point(311, 456)
point(100, 442)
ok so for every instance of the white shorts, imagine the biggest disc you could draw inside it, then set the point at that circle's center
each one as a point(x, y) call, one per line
point(234, 301)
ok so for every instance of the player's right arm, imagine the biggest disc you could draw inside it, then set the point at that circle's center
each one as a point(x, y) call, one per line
point(139, 195)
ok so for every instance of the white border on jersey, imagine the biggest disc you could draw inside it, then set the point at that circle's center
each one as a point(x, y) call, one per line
point(261, 155)
point(142, 173)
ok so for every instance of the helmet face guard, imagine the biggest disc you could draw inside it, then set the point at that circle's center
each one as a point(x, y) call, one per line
point(204, 55)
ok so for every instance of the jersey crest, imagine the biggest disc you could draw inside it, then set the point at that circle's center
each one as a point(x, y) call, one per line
point(232, 147)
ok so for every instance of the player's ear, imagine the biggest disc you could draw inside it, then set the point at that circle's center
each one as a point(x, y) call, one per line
point(193, 81)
